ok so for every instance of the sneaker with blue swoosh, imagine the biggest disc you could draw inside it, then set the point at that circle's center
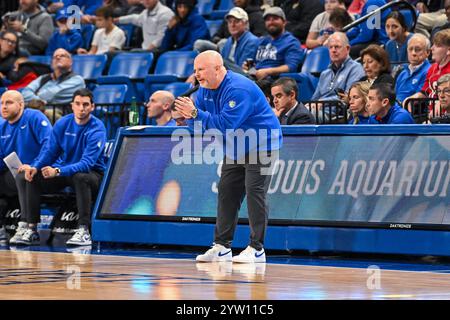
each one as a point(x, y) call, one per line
point(250, 255)
point(217, 253)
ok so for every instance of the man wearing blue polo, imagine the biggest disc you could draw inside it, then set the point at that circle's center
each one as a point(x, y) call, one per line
point(231, 103)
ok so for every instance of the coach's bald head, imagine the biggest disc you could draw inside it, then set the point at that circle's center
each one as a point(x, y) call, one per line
point(209, 69)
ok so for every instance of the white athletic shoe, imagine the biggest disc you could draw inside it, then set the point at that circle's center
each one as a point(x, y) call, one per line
point(217, 253)
point(21, 228)
point(250, 255)
point(80, 238)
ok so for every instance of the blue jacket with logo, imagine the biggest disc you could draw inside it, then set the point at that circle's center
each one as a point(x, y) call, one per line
point(26, 137)
point(77, 148)
point(408, 83)
point(238, 103)
point(284, 50)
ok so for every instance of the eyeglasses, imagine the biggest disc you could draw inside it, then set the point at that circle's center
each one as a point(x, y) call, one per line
point(10, 42)
point(446, 91)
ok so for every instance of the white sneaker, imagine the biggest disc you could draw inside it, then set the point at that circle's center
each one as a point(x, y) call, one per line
point(21, 228)
point(80, 238)
point(250, 255)
point(217, 253)
point(30, 238)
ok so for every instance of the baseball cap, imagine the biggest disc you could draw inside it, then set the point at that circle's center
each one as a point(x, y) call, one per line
point(274, 11)
point(237, 13)
point(61, 14)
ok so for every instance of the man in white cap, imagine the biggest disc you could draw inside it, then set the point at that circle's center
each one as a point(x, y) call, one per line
point(242, 44)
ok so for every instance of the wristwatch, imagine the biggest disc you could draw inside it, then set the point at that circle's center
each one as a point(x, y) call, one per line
point(194, 113)
point(58, 171)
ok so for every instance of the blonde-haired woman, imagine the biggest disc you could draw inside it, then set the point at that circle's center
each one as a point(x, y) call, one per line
point(357, 99)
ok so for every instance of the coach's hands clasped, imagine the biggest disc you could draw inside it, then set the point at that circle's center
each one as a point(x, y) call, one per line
point(185, 107)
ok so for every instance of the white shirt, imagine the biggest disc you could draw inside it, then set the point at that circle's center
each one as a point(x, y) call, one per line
point(116, 39)
point(153, 23)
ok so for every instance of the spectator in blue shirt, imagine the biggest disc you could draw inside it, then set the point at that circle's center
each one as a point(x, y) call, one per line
point(65, 37)
point(72, 157)
point(184, 28)
point(411, 77)
point(242, 44)
point(382, 105)
point(279, 52)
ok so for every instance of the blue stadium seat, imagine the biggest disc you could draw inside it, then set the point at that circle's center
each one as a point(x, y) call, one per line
point(213, 26)
point(224, 7)
point(87, 31)
point(41, 59)
point(111, 116)
point(178, 88)
point(316, 61)
point(306, 84)
point(409, 19)
point(2, 90)
point(172, 66)
point(130, 69)
point(205, 7)
point(128, 29)
point(89, 66)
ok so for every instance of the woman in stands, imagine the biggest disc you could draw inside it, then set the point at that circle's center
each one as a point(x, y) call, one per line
point(398, 34)
point(357, 98)
point(376, 65)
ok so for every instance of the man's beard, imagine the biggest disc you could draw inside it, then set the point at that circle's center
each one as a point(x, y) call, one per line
point(275, 32)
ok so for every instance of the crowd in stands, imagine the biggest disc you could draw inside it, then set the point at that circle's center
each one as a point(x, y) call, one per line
point(375, 68)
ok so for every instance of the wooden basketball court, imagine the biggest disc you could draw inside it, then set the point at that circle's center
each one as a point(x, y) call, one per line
point(49, 275)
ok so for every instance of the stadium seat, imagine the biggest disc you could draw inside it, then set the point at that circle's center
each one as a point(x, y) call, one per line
point(2, 90)
point(205, 7)
point(172, 66)
point(409, 19)
point(316, 61)
point(224, 7)
point(41, 59)
point(213, 26)
point(130, 69)
point(87, 31)
point(306, 84)
point(112, 115)
point(129, 30)
point(90, 66)
point(178, 88)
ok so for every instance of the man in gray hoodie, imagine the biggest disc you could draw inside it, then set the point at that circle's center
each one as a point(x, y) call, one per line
point(34, 26)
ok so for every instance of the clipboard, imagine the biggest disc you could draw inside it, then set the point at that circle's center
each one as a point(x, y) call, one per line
point(13, 163)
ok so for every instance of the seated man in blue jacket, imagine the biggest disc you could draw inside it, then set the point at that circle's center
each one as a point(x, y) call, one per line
point(242, 44)
point(279, 52)
point(184, 28)
point(23, 131)
point(73, 157)
point(381, 104)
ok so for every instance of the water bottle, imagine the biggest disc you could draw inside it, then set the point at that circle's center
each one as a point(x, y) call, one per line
point(133, 115)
